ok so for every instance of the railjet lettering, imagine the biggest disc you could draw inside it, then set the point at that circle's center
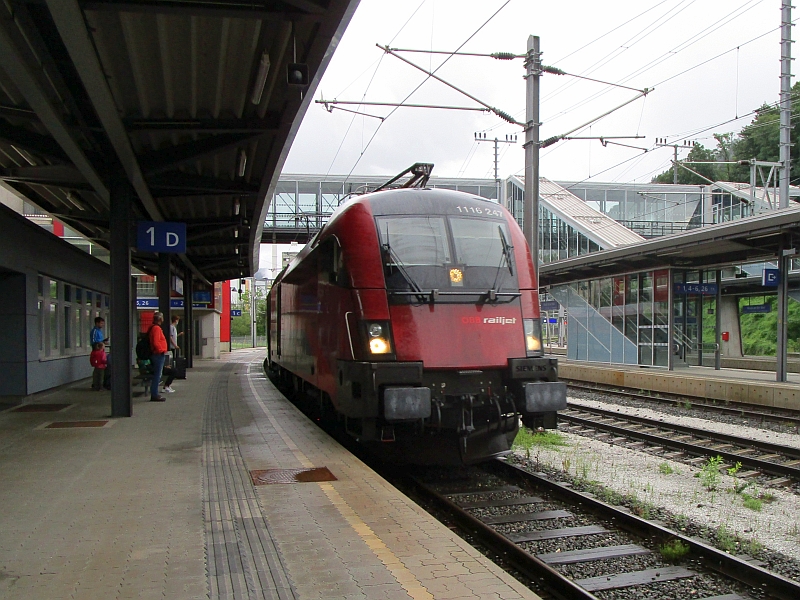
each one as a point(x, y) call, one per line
point(499, 320)
point(490, 320)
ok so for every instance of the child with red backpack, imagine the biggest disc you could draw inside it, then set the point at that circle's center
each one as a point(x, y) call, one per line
point(99, 361)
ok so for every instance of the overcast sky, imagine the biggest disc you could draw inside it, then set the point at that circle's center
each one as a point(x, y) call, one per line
point(638, 43)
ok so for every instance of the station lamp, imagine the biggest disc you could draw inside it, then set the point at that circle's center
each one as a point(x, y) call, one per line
point(297, 74)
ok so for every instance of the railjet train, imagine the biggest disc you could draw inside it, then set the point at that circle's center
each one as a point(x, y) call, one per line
point(413, 318)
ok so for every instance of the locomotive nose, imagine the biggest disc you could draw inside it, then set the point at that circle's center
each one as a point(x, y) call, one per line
point(460, 335)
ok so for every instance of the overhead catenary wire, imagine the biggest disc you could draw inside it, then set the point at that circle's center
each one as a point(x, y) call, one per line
point(366, 90)
point(665, 56)
point(420, 85)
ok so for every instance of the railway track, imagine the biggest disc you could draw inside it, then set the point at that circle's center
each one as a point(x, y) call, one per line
point(740, 409)
point(570, 545)
point(776, 465)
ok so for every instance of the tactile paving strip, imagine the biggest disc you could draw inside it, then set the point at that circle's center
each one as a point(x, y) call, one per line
point(243, 561)
point(68, 424)
point(270, 476)
point(37, 408)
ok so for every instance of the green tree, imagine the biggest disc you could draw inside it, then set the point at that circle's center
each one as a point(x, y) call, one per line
point(759, 140)
point(698, 153)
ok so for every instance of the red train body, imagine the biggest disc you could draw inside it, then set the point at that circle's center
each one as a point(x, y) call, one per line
point(414, 317)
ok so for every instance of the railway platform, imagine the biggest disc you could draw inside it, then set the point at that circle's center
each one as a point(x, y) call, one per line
point(752, 386)
point(219, 492)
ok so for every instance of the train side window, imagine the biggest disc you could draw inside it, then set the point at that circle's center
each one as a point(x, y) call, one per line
point(331, 263)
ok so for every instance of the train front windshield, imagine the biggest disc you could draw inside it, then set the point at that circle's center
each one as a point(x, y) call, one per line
point(461, 256)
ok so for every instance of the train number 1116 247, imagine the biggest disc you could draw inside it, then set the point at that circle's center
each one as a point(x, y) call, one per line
point(477, 210)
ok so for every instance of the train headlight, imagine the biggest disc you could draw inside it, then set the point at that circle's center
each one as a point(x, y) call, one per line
point(379, 341)
point(533, 337)
point(378, 345)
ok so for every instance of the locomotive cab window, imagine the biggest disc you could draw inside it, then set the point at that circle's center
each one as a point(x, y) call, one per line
point(331, 263)
point(462, 256)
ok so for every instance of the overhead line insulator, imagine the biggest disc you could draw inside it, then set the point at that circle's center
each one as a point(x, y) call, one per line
point(503, 55)
point(505, 116)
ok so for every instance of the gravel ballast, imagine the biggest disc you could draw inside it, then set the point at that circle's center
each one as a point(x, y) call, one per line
point(673, 486)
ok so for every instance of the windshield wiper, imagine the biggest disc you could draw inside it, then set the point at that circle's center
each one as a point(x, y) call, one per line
point(507, 248)
point(492, 293)
point(396, 260)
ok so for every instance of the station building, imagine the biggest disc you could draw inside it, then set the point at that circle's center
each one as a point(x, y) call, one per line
point(626, 318)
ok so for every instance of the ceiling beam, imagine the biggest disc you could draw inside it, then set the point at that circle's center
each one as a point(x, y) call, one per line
point(41, 145)
point(208, 232)
point(18, 112)
point(62, 176)
point(170, 157)
point(218, 9)
point(13, 60)
point(254, 125)
point(188, 184)
point(306, 5)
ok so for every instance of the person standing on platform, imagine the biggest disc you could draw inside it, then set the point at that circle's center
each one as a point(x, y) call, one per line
point(158, 347)
point(99, 361)
point(96, 336)
point(173, 336)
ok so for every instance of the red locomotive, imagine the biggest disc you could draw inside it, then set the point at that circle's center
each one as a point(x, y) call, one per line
point(413, 316)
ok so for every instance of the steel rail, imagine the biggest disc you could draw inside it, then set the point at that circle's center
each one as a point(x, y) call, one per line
point(731, 408)
point(717, 560)
point(766, 447)
point(694, 449)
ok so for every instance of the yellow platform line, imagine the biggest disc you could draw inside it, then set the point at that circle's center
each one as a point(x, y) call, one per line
point(399, 571)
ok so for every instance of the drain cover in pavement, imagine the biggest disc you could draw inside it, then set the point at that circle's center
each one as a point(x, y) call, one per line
point(68, 424)
point(36, 408)
point(268, 476)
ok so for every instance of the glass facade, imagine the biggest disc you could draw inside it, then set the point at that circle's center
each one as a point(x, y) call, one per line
point(651, 210)
point(621, 319)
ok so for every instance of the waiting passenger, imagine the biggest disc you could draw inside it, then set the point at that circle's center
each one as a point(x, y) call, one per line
point(99, 361)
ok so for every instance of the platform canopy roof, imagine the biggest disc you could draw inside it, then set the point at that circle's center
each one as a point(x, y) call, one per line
point(750, 239)
point(186, 102)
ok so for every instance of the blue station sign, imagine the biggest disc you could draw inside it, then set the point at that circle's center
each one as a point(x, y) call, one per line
point(236, 312)
point(173, 303)
point(751, 309)
point(158, 236)
point(709, 289)
point(770, 277)
point(549, 305)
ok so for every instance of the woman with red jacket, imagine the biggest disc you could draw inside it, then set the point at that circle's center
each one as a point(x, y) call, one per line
point(158, 346)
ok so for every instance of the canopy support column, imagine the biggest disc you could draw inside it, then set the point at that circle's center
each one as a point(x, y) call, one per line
point(121, 299)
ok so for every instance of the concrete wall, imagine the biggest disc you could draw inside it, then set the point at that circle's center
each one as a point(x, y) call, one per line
point(27, 251)
point(209, 335)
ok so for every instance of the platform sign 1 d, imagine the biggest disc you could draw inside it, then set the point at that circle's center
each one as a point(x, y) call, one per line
point(159, 236)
